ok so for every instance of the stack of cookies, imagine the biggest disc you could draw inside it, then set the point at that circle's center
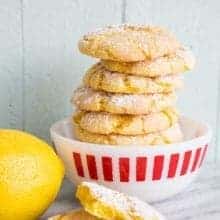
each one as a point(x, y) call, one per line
point(128, 97)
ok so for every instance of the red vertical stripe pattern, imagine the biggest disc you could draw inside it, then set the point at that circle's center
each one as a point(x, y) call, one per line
point(107, 168)
point(196, 159)
point(124, 169)
point(186, 161)
point(174, 158)
point(141, 166)
point(203, 155)
point(78, 164)
point(91, 163)
point(158, 167)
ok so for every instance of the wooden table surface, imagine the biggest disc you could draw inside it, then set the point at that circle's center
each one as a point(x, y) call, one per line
point(200, 201)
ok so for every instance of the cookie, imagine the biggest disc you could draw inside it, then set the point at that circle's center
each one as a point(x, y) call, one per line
point(106, 204)
point(106, 123)
point(74, 215)
point(128, 43)
point(99, 78)
point(88, 99)
point(178, 62)
point(168, 136)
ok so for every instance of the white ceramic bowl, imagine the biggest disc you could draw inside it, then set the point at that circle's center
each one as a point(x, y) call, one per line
point(151, 173)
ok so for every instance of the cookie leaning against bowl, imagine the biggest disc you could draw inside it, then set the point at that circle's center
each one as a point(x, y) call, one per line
point(128, 43)
point(88, 99)
point(99, 78)
point(107, 123)
point(168, 136)
point(109, 204)
point(180, 61)
point(74, 215)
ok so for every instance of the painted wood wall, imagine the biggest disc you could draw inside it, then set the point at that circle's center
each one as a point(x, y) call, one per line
point(40, 64)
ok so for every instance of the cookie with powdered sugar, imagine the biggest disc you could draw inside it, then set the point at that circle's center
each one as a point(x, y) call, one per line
point(109, 204)
point(99, 78)
point(107, 123)
point(180, 61)
point(74, 215)
point(88, 99)
point(128, 43)
point(171, 135)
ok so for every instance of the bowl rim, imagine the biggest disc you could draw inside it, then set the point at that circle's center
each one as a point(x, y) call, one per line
point(200, 140)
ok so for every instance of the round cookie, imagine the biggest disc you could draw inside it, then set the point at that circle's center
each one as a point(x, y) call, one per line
point(88, 99)
point(99, 78)
point(79, 214)
point(171, 135)
point(180, 61)
point(106, 123)
point(108, 204)
point(128, 43)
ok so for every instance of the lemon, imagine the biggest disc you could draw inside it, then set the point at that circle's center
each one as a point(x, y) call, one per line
point(30, 175)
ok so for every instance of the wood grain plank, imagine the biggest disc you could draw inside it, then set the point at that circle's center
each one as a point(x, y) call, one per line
point(10, 64)
point(192, 23)
point(217, 153)
point(53, 64)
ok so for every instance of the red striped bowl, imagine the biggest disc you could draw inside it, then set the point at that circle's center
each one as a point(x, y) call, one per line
point(151, 173)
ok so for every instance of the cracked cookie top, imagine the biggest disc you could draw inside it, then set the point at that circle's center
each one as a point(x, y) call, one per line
point(128, 43)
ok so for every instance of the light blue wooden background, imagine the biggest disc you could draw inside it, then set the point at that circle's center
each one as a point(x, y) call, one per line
point(40, 64)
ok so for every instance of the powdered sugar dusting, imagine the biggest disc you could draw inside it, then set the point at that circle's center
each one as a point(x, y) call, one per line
point(85, 95)
point(91, 100)
point(120, 28)
point(133, 99)
point(123, 100)
point(129, 205)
